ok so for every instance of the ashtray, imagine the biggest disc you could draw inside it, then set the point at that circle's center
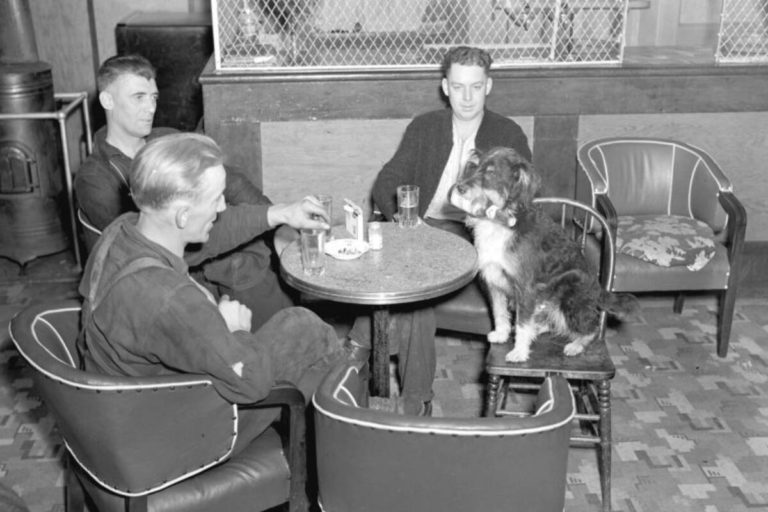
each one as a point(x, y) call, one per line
point(346, 248)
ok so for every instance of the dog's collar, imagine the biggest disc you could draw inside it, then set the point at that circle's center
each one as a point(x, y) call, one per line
point(494, 212)
point(491, 211)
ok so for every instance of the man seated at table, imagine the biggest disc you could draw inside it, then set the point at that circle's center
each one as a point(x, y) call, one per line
point(437, 145)
point(128, 93)
point(144, 315)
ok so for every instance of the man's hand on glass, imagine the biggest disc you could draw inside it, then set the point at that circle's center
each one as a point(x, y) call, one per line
point(305, 214)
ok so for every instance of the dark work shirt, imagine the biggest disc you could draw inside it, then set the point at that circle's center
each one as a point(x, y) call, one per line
point(158, 321)
point(424, 151)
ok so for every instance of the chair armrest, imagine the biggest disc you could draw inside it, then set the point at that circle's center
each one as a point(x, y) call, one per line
point(605, 207)
point(592, 178)
point(735, 228)
point(286, 395)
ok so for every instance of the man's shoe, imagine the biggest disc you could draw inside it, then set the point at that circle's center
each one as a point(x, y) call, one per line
point(355, 352)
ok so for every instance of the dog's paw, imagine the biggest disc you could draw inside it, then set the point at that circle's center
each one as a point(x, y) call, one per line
point(517, 355)
point(574, 348)
point(498, 336)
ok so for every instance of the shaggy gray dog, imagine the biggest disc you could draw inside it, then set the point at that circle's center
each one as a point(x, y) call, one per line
point(528, 260)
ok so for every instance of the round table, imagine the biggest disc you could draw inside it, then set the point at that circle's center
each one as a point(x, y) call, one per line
point(414, 264)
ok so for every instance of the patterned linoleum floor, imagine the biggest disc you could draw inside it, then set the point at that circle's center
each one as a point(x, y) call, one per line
point(690, 430)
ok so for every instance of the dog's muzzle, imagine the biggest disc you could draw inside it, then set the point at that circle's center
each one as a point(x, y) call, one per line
point(480, 207)
point(471, 206)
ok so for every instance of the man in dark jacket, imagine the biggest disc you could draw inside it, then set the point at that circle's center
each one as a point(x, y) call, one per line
point(437, 145)
point(128, 93)
point(434, 150)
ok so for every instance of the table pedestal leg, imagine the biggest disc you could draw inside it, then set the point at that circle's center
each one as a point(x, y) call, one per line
point(380, 352)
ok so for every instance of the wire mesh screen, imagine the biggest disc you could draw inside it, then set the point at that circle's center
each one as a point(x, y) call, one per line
point(743, 32)
point(307, 34)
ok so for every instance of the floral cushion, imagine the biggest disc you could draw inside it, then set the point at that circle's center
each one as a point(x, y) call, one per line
point(666, 240)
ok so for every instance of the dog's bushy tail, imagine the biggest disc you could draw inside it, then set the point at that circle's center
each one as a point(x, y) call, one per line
point(623, 305)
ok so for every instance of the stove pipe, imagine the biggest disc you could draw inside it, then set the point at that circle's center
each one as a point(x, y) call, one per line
point(17, 37)
point(32, 199)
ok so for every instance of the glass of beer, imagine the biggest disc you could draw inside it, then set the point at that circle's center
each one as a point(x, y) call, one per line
point(327, 202)
point(408, 205)
point(312, 246)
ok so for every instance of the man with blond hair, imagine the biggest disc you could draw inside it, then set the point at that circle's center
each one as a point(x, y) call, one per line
point(143, 315)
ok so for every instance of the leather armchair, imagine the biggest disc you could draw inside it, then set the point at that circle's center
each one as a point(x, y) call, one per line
point(631, 176)
point(161, 443)
point(375, 460)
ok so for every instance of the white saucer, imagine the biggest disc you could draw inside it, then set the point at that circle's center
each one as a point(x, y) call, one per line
point(346, 248)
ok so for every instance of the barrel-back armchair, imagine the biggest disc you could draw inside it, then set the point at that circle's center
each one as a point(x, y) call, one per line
point(161, 443)
point(376, 460)
point(679, 226)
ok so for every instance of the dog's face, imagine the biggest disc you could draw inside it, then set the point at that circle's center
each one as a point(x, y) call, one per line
point(496, 186)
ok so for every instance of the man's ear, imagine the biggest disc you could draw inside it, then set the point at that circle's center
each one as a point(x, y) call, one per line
point(488, 86)
point(182, 216)
point(106, 100)
point(444, 85)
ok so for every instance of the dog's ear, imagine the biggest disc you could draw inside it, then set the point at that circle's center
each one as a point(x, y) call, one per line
point(530, 182)
point(535, 181)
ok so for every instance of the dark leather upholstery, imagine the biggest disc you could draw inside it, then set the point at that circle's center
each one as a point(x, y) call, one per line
point(623, 176)
point(374, 460)
point(466, 310)
point(255, 479)
point(163, 442)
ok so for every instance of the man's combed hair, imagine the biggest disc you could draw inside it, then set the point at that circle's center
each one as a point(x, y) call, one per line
point(171, 167)
point(467, 56)
point(119, 65)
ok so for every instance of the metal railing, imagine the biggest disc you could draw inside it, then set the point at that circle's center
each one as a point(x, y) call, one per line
point(323, 34)
point(69, 102)
point(743, 36)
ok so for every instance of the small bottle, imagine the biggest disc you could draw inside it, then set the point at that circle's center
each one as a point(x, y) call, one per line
point(249, 23)
point(375, 239)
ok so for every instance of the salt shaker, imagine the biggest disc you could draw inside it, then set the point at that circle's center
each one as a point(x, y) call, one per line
point(375, 240)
